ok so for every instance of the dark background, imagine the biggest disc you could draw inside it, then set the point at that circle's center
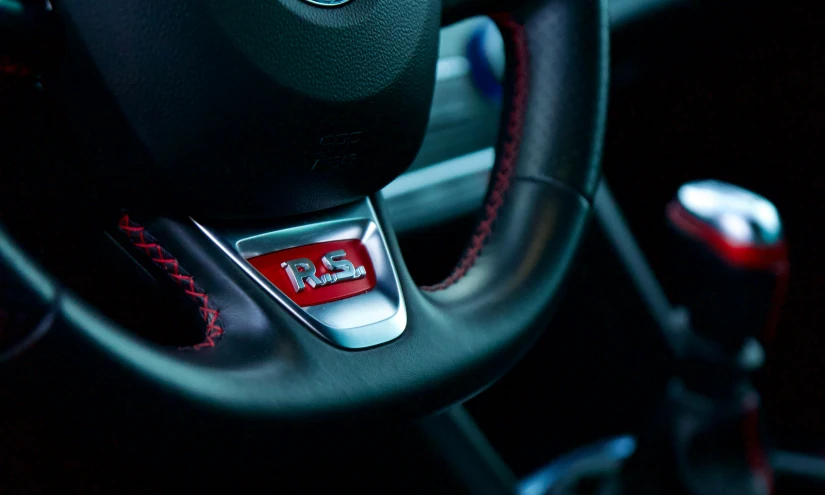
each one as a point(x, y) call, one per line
point(727, 90)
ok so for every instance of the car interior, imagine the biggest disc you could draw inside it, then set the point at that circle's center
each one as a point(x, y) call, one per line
point(533, 247)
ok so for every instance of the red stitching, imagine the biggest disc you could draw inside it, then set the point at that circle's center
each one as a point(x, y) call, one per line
point(754, 451)
point(164, 259)
point(509, 155)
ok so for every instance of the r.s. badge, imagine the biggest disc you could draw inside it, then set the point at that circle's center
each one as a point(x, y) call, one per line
point(319, 273)
point(340, 270)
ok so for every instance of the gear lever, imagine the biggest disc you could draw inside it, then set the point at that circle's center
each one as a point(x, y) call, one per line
point(734, 265)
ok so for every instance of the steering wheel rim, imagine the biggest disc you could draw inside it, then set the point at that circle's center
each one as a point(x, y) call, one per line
point(461, 334)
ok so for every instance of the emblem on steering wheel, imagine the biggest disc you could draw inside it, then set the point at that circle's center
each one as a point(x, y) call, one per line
point(303, 269)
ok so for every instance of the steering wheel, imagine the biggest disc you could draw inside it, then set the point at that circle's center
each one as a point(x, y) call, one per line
point(247, 142)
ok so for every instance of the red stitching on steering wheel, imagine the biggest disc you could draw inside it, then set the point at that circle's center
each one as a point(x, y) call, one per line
point(144, 241)
point(509, 152)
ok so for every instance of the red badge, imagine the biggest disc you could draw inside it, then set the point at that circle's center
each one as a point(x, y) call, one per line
point(319, 273)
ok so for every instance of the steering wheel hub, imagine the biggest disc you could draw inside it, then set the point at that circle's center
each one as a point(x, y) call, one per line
point(274, 107)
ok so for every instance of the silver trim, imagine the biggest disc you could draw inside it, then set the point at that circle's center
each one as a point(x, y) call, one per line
point(439, 193)
point(366, 320)
point(449, 68)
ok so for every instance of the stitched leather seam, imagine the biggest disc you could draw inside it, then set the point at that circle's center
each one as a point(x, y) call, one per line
point(509, 153)
point(144, 241)
point(754, 450)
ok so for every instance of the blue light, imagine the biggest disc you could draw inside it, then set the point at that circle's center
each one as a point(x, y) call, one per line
point(619, 448)
point(481, 49)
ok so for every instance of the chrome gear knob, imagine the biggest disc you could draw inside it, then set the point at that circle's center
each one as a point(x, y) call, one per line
point(733, 258)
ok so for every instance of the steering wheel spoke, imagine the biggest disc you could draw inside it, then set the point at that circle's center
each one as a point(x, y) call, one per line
point(278, 357)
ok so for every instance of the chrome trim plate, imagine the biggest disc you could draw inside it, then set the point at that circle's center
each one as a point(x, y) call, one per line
point(439, 193)
point(366, 320)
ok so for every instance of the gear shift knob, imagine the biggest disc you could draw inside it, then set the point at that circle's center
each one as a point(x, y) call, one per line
point(734, 260)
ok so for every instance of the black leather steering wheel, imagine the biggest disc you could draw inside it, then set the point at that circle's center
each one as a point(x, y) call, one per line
point(229, 102)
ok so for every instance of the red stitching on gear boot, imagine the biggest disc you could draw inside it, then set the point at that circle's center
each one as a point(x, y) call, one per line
point(8, 67)
point(164, 259)
point(509, 152)
point(754, 450)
